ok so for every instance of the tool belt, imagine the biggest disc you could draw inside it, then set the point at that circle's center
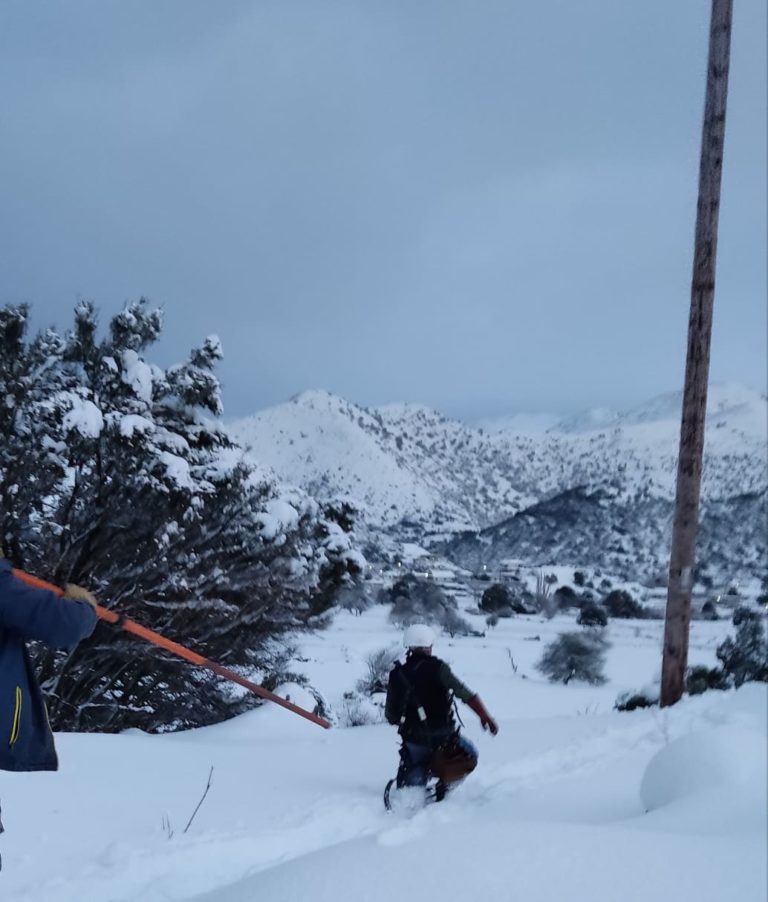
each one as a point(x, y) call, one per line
point(451, 763)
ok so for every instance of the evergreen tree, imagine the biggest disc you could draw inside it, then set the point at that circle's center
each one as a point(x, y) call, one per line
point(745, 656)
point(116, 474)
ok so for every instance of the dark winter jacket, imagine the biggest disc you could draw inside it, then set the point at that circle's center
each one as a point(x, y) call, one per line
point(420, 698)
point(26, 741)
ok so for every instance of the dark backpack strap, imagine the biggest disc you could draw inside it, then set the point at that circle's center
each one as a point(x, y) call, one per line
point(410, 693)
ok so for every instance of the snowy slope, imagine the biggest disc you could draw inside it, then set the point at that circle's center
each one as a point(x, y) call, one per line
point(571, 800)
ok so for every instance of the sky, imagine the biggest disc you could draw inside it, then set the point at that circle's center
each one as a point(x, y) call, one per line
point(484, 206)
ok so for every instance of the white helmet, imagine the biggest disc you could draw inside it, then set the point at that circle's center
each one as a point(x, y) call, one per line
point(419, 635)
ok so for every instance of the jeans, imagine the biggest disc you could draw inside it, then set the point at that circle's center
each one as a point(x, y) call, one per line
point(415, 759)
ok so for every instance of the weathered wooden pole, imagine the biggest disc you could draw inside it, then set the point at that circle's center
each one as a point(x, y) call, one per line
point(686, 521)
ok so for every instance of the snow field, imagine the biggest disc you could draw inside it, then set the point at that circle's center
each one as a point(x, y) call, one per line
point(571, 800)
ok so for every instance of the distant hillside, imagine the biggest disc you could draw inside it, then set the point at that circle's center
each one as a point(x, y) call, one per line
point(608, 475)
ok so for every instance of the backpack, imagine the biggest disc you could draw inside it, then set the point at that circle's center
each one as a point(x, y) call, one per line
point(416, 700)
point(399, 691)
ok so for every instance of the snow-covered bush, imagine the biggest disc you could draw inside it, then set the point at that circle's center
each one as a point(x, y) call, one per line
point(358, 711)
point(709, 610)
point(699, 679)
point(379, 664)
point(566, 598)
point(496, 599)
point(575, 656)
point(743, 614)
point(619, 603)
point(416, 600)
point(355, 598)
point(116, 474)
point(631, 701)
point(455, 625)
point(500, 600)
point(592, 614)
point(745, 656)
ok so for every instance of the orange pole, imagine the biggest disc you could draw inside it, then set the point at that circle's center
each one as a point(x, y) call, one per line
point(181, 651)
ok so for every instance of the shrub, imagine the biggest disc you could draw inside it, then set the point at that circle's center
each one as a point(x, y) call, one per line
point(743, 614)
point(592, 614)
point(524, 604)
point(542, 596)
point(699, 679)
point(619, 603)
point(492, 620)
point(709, 610)
point(455, 625)
point(417, 600)
point(566, 598)
point(578, 578)
point(631, 701)
point(496, 598)
point(575, 656)
point(745, 656)
point(379, 664)
point(357, 711)
point(354, 598)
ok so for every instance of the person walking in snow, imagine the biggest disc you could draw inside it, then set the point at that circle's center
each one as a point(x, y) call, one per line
point(420, 702)
point(26, 740)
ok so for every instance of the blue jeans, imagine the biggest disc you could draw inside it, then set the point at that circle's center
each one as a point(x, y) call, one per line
point(415, 759)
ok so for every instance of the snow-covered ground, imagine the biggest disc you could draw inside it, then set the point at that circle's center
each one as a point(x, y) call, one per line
point(571, 801)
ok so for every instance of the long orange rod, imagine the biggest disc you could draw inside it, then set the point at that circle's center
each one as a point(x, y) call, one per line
point(130, 626)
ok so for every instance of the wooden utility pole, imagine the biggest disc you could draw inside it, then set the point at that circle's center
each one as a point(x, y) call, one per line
point(686, 519)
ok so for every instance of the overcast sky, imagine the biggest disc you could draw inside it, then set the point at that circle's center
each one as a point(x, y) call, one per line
point(487, 206)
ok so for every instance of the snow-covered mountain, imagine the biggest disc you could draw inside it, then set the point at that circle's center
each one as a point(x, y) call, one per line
point(400, 463)
point(408, 466)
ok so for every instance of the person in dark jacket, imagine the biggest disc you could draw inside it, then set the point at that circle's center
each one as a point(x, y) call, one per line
point(420, 702)
point(26, 740)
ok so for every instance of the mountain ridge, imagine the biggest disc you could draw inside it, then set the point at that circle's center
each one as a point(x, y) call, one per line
point(407, 466)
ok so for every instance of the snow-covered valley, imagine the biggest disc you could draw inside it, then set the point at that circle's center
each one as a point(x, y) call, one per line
point(571, 799)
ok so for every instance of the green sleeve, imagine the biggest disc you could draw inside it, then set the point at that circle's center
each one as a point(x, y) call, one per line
point(452, 682)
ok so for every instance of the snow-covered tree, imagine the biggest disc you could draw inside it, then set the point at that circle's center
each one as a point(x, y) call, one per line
point(575, 656)
point(745, 656)
point(116, 474)
point(416, 600)
point(592, 614)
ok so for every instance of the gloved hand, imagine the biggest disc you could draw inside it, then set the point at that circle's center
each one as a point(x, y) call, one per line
point(486, 721)
point(78, 593)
